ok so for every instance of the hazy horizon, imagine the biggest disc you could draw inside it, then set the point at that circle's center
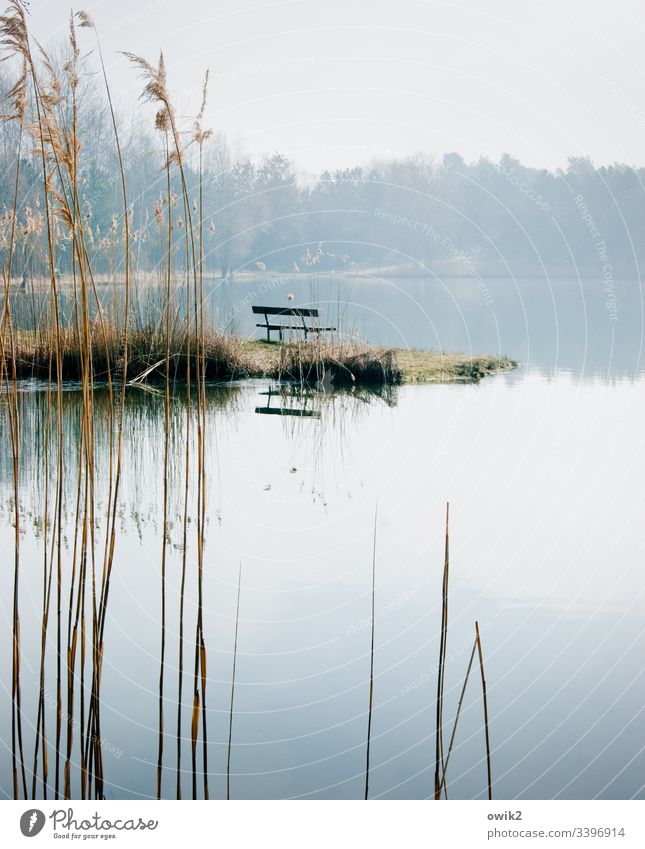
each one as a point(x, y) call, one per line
point(350, 83)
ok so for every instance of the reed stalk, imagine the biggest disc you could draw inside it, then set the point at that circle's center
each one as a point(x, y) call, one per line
point(456, 722)
point(200, 135)
point(165, 476)
point(13, 33)
point(232, 704)
point(41, 732)
point(156, 91)
point(439, 757)
point(17, 750)
point(489, 772)
point(371, 697)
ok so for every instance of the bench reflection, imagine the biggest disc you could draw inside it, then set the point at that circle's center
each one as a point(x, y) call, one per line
point(289, 394)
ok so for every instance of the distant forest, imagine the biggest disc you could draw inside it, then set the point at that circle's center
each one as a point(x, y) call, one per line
point(406, 215)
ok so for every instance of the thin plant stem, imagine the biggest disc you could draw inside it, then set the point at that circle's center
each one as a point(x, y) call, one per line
point(456, 722)
point(232, 705)
point(485, 701)
point(371, 699)
point(439, 759)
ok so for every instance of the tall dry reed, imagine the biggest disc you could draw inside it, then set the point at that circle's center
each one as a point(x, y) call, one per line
point(371, 689)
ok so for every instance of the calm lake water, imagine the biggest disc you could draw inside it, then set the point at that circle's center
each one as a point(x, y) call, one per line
point(544, 471)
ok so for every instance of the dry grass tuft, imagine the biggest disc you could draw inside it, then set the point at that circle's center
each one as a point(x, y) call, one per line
point(338, 364)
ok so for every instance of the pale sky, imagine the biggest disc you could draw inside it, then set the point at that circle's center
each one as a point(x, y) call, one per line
point(333, 83)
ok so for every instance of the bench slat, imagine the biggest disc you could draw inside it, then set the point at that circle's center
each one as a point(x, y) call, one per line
point(294, 327)
point(281, 327)
point(297, 311)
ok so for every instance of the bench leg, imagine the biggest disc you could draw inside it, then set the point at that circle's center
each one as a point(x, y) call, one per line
point(280, 332)
point(268, 334)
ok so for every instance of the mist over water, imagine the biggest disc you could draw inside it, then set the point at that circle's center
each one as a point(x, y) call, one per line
point(548, 325)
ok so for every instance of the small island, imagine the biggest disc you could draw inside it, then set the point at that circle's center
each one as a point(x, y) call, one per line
point(147, 356)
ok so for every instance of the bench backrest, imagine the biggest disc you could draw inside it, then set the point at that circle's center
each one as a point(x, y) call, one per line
point(299, 311)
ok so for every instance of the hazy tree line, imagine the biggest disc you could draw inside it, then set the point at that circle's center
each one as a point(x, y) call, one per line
point(411, 213)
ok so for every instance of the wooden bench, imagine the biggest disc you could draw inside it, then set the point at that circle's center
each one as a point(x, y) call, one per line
point(290, 312)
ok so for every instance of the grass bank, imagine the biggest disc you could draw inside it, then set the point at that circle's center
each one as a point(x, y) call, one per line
point(346, 364)
point(338, 363)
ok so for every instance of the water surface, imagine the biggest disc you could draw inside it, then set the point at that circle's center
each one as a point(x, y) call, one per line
point(543, 469)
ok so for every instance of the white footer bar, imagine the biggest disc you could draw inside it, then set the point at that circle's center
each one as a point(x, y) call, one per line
point(323, 825)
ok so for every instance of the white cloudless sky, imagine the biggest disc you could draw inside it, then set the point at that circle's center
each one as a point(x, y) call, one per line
point(333, 83)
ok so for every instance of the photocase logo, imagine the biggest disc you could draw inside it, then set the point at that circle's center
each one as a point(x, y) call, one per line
point(32, 822)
